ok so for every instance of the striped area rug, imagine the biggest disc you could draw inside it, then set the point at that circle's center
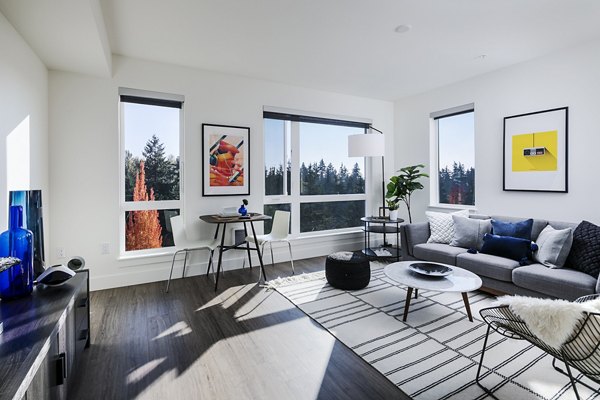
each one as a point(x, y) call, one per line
point(435, 354)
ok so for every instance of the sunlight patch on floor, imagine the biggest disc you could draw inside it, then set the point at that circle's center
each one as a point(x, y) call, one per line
point(139, 373)
point(228, 297)
point(178, 329)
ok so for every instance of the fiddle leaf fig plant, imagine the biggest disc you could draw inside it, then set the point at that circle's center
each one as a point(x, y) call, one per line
point(401, 186)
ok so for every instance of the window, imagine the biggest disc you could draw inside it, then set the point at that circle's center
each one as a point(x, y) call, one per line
point(151, 190)
point(454, 136)
point(308, 172)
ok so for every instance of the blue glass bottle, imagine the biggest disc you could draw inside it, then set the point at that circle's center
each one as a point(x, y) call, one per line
point(242, 210)
point(16, 281)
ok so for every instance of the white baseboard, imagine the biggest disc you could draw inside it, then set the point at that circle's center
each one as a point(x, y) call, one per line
point(159, 271)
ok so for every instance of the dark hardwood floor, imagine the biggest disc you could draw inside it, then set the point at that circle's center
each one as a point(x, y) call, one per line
point(242, 342)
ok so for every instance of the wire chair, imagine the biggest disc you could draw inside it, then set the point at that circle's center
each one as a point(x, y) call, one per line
point(580, 351)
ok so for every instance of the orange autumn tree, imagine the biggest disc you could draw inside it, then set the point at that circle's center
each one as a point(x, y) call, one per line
point(143, 227)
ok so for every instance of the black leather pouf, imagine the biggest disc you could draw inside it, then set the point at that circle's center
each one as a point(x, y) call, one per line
point(348, 271)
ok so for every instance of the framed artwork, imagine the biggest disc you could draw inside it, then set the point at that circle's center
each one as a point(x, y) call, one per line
point(225, 160)
point(536, 151)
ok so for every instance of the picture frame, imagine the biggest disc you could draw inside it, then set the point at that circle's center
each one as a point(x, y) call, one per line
point(225, 160)
point(535, 151)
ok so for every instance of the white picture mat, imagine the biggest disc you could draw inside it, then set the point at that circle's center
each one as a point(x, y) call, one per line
point(536, 180)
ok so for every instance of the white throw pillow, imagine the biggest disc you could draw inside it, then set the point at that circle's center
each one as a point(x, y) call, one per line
point(441, 225)
point(553, 246)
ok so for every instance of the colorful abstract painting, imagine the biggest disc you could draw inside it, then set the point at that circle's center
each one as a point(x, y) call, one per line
point(225, 159)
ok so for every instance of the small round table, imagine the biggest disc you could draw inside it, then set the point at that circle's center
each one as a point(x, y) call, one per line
point(460, 280)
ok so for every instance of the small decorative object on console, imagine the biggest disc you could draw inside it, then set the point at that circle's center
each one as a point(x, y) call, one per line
point(56, 275)
point(76, 263)
point(7, 262)
point(242, 210)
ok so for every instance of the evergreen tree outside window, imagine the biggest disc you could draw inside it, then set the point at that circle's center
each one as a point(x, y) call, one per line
point(151, 192)
point(307, 172)
point(454, 141)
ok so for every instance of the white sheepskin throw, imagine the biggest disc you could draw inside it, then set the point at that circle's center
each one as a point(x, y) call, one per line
point(552, 321)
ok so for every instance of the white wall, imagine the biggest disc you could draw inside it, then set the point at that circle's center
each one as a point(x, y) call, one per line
point(23, 121)
point(567, 78)
point(85, 156)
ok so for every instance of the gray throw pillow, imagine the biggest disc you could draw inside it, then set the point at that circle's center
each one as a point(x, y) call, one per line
point(553, 246)
point(468, 233)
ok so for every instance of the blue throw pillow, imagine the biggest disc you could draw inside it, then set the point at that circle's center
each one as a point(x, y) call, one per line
point(521, 229)
point(508, 247)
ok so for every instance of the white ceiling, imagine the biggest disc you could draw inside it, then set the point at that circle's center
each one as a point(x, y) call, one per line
point(346, 46)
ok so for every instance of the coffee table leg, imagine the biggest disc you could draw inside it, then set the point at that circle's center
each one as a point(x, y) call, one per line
point(467, 306)
point(416, 293)
point(407, 303)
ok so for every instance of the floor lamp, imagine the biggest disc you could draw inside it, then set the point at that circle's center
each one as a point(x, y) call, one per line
point(370, 145)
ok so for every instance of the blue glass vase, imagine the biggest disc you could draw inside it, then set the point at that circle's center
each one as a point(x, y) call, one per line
point(16, 281)
point(242, 210)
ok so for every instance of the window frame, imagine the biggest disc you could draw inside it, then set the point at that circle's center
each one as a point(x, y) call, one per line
point(294, 198)
point(157, 99)
point(434, 155)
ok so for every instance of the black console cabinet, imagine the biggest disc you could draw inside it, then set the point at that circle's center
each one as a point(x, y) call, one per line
point(44, 336)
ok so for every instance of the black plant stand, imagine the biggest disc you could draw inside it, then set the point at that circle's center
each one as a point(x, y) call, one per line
point(382, 225)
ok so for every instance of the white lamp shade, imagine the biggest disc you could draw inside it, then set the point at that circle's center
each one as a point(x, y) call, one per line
point(366, 145)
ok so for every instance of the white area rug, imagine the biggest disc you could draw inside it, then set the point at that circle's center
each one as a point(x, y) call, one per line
point(435, 354)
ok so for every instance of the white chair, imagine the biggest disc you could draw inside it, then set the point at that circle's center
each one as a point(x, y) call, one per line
point(279, 233)
point(184, 245)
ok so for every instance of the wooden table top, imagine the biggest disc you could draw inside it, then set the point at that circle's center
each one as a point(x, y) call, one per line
point(218, 219)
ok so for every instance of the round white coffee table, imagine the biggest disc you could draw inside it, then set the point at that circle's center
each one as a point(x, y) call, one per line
point(460, 280)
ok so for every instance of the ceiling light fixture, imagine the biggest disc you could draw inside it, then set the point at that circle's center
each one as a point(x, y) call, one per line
point(403, 28)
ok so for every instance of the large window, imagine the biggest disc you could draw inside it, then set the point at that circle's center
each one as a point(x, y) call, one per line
point(454, 139)
point(151, 190)
point(308, 172)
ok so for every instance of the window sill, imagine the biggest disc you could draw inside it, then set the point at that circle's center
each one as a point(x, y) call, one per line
point(454, 207)
point(317, 235)
point(137, 260)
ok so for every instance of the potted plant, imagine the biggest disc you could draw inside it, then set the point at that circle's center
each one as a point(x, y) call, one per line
point(402, 186)
point(393, 205)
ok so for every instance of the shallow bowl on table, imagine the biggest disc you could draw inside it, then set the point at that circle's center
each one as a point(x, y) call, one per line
point(430, 269)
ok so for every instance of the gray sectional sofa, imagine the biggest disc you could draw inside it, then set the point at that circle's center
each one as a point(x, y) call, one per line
point(501, 275)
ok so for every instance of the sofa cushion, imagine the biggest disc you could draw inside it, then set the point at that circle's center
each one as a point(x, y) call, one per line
point(468, 233)
point(495, 267)
point(437, 252)
point(520, 229)
point(441, 225)
point(413, 234)
point(563, 225)
point(538, 224)
point(559, 282)
point(553, 246)
point(507, 246)
point(585, 251)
